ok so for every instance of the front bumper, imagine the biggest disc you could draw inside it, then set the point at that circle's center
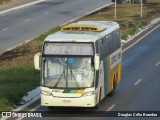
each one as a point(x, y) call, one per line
point(87, 101)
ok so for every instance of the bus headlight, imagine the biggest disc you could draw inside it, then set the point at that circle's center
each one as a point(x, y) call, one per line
point(88, 93)
point(46, 93)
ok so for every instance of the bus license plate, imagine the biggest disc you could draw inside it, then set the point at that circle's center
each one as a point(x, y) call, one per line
point(66, 101)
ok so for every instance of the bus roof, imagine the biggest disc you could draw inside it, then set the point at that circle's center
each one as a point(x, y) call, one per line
point(83, 31)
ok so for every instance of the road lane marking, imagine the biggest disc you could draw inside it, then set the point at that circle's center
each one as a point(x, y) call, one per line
point(45, 13)
point(157, 64)
point(61, 7)
point(110, 108)
point(27, 20)
point(28, 103)
point(4, 29)
point(22, 6)
point(140, 38)
point(136, 83)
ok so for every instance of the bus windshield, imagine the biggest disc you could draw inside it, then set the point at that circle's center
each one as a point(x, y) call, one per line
point(67, 72)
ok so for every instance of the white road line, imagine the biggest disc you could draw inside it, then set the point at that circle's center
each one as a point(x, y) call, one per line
point(141, 38)
point(110, 108)
point(157, 64)
point(27, 104)
point(4, 29)
point(136, 83)
point(21, 6)
point(27, 20)
point(61, 6)
point(45, 13)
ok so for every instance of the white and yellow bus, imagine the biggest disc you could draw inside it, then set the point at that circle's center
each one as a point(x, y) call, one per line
point(80, 64)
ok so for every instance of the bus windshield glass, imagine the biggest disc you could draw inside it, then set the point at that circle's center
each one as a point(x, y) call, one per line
point(68, 72)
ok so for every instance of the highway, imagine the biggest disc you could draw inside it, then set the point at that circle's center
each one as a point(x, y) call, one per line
point(139, 87)
point(25, 23)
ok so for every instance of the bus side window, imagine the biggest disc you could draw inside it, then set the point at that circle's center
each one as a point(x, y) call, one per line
point(100, 49)
point(97, 47)
point(119, 38)
point(115, 40)
point(103, 47)
point(109, 44)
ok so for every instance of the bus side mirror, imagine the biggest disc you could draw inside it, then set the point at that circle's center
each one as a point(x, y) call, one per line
point(37, 61)
point(96, 62)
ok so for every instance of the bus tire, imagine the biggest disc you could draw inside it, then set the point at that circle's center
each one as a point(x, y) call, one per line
point(111, 94)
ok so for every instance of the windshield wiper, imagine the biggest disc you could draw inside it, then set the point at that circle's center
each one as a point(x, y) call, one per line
point(59, 79)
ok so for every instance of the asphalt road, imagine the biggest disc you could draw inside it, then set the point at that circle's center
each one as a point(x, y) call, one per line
point(23, 24)
point(139, 88)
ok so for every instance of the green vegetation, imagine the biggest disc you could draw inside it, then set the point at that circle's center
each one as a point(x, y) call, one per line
point(4, 1)
point(17, 73)
point(44, 35)
point(4, 105)
point(132, 27)
point(15, 82)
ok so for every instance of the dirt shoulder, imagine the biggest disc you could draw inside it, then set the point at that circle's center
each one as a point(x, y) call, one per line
point(3, 2)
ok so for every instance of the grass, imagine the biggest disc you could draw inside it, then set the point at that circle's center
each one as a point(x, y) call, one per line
point(4, 105)
point(128, 16)
point(17, 74)
point(15, 82)
point(4, 1)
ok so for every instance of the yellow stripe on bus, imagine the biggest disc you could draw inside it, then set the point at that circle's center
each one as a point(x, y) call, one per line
point(119, 71)
point(80, 91)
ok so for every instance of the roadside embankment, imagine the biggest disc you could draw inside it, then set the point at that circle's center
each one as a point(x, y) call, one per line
point(2, 2)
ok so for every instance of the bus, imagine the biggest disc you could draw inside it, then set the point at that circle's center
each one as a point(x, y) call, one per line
point(80, 64)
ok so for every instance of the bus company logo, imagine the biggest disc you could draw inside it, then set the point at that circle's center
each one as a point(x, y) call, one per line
point(20, 115)
point(115, 58)
point(6, 114)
